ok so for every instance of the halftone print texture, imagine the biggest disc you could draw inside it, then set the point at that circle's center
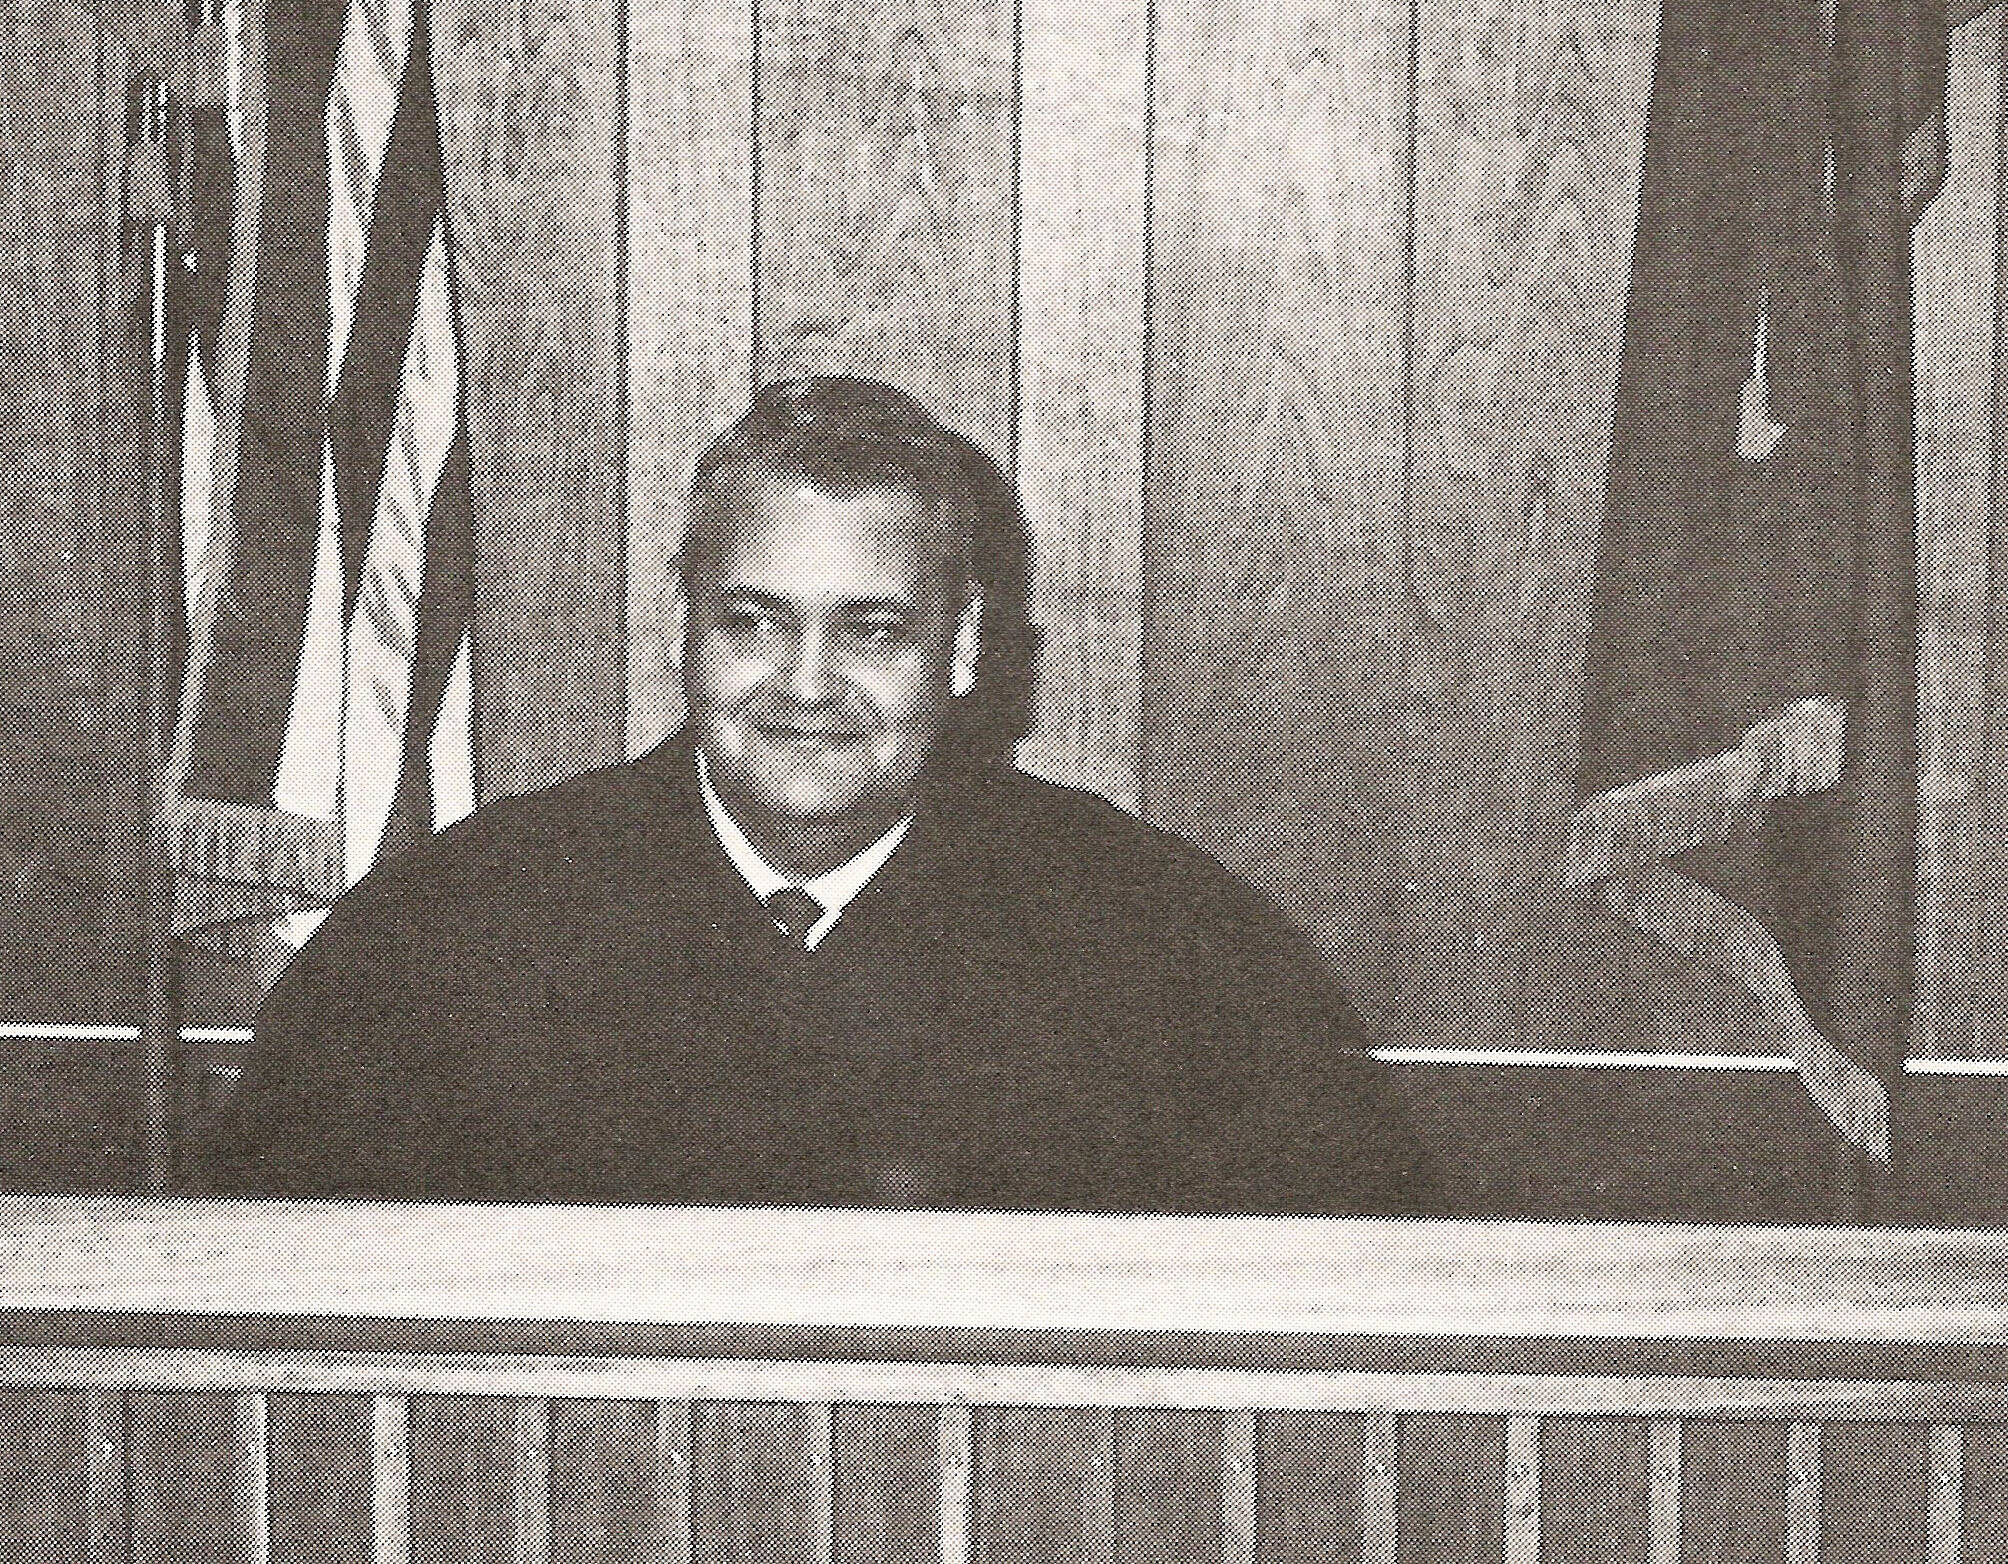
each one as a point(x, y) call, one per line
point(335, 686)
point(1301, 328)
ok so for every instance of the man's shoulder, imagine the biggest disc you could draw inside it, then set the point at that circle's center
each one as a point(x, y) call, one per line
point(540, 839)
point(1006, 809)
point(1076, 842)
point(596, 804)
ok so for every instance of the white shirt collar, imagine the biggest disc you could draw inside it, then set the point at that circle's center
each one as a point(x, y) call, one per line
point(836, 890)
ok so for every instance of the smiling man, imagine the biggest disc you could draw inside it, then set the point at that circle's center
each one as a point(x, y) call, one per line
point(831, 619)
point(825, 945)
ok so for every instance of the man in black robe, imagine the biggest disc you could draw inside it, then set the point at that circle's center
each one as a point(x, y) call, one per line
point(824, 946)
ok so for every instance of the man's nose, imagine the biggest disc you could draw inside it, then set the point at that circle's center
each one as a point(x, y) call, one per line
point(810, 677)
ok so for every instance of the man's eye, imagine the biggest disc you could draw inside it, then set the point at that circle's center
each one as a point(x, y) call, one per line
point(744, 621)
point(880, 632)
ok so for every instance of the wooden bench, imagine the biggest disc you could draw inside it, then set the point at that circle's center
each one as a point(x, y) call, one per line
point(210, 1380)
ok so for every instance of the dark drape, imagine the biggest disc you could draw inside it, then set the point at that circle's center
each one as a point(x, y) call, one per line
point(1759, 544)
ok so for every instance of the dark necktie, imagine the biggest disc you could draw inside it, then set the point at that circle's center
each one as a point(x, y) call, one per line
point(794, 912)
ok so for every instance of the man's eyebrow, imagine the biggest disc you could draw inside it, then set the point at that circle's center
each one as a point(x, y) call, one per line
point(903, 606)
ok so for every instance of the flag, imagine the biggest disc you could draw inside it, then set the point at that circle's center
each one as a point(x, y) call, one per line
point(1749, 769)
point(327, 717)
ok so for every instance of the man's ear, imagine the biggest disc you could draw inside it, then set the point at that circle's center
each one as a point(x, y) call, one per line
point(968, 647)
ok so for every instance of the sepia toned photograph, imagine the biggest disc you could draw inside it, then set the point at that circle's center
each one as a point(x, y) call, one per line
point(870, 781)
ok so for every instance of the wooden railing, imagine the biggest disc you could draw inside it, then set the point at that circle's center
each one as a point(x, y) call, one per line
point(248, 1382)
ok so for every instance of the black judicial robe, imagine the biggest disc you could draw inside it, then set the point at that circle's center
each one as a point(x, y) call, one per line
point(1037, 1003)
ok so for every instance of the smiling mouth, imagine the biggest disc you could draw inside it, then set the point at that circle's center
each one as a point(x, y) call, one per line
point(788, 737)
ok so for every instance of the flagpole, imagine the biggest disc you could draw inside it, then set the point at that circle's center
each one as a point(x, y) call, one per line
point(149, 207)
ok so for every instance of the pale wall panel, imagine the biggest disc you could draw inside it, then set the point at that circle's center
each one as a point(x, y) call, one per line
point(69, 563)
point(1082, 201)
point(886, 218)
point(690, 301)
point(1529, 128)
point(1273, 495)
point(528, 101)
point(1955, 258)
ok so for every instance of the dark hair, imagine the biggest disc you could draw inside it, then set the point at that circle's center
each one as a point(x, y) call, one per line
point(841, 434)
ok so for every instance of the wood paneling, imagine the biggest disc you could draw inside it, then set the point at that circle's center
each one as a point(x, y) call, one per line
point(1961, 272)
point(1080, 437)
point(1983, 1520)
point(69, 563)
point(1452, 1490)
point(479, 1480)
point(182, 1474)
point(888, 1499)
point(1595, 1482)
point(1733, 1489)
point(689, 183)
point(620, 1482)
point(62, 1487)
point(1273, 490)
point(1874, 1499)
point(178, 1476)
point(886, 237)
point(1300, 323)
point(528, 96)
point(321, 1481)
point(196, 1469)
point(1530, 118)
point(761, 1483)
point(1657, 1444)
point(1045, 1485)
point(1309, 1487)
point(1173, 1488)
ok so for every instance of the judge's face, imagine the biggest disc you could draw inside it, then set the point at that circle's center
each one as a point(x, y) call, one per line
point(824, 643)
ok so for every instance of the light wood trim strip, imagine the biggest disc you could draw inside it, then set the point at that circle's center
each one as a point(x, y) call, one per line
point(1663, 1492)
point(958, 1481)
point(821, 1456)
point(153, 1263)
point(672, 1542)
point(1098, 1491)
point(390, 1479)
point(1237, 1488)
point(251, 1502)
point(530, 1482)
point(1947, 1491)
point(106, 1436)
point(734, 1379)
point(1802, 1494)
point(1523, 1490)
point(1380, 1496)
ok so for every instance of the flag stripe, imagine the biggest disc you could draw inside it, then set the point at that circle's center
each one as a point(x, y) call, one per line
point(364, 97)
point(211, 187)
point(259, 625)
point(445, 614)
point(401, 230)
point(384, 629)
